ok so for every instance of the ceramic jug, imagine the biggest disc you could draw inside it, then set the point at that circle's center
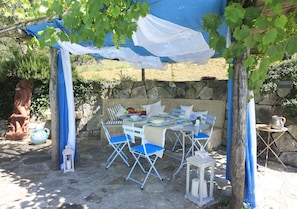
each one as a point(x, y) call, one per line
point(278, 122)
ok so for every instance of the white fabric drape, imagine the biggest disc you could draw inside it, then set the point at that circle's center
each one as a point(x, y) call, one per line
point(70, 98)
point(123, 54)
point(161, 38)
point(165, 39)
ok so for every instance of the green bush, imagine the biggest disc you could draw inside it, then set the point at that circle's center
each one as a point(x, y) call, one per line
point(284, 71)
point(7, 92)
point(36, 66)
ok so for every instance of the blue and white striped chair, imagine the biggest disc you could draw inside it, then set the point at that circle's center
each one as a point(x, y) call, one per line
point(118, 143)
point(145, 150)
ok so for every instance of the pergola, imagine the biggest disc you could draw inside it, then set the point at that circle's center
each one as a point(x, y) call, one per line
point(60, 70)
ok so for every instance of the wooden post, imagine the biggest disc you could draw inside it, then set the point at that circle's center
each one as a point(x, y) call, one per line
point(238, 144)
point(53, 94)
point(143, 74)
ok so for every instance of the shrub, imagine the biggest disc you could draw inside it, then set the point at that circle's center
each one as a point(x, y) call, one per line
point(286, 70)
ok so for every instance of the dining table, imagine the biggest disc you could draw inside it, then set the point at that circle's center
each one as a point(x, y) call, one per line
point(156, 132)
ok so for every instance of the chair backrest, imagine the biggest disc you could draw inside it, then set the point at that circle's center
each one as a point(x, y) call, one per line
point(107, 134)
point(178, 112)
point(210, 120)
point(133, 132)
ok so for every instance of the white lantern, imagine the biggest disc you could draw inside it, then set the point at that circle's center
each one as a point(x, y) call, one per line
point(200, 194)
point(68, 159)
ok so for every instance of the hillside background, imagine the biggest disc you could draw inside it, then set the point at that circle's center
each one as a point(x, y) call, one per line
point(109, 70)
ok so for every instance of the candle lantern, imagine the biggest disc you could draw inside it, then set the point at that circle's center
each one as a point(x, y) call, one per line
point(68, 159)
point(201, 191)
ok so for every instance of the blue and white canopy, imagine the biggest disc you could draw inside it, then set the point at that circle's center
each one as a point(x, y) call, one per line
point(172, 32)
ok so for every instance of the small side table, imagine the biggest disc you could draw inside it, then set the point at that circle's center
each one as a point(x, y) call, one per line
point(270, 140)
point(201, 163)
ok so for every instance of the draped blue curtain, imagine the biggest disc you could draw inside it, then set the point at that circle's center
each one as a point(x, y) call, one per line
point(62, 108)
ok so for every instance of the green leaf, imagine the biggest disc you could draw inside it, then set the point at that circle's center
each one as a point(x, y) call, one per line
point(270, 36)
point(211, 22)
point(262, 23)
point(249, 62)
point(242, 32)
point(249, 42)
point(116, 11)
point(276, 52)
point(251, 14)
point(234, 15)
point(19, 12)
point(280, 21)
point(57, 7)
point(217, 42)
point(264, 64)
point(291, 46)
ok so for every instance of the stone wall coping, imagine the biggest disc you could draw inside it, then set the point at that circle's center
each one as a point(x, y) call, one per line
point(214, 107)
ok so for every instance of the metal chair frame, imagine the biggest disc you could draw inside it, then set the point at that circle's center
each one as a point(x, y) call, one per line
point(144, 150)
point(201, 139)
point(118, 143)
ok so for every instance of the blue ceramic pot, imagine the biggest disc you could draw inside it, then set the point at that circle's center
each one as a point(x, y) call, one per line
point(39, 136)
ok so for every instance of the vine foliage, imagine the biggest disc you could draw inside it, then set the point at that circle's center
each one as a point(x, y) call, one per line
point(268, 36)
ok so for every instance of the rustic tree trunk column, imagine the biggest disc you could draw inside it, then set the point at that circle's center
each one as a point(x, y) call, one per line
point(238, 152)
point(53, 93)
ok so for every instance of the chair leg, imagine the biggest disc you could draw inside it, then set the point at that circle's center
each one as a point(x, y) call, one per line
point(152, 167)
point(118, 151)
point(149, 172)
point(134, 165)
point(168, 137)
point(177, 141)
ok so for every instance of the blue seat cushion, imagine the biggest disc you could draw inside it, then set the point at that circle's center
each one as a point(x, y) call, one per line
point(150, 148)
point(201, 135)
point(118, 139)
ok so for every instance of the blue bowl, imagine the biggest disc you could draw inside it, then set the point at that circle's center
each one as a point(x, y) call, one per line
point(178, 121)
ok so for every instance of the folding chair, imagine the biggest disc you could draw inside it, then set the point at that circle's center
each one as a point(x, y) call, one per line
point(118, 143)
point(145, 150)
point(176, 113)
point(201, 139)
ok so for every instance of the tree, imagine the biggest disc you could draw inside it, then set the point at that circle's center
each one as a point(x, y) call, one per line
point(85, 20)
point(260, 36)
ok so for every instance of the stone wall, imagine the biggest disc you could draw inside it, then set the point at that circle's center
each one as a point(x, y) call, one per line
point(89, 125)
point(204, 90)
point(207, 89)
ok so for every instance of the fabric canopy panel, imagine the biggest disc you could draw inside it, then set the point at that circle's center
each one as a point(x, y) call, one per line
point(171, 33)
point(163, 38)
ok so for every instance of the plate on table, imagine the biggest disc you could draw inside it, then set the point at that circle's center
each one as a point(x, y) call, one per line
point(135, 120)
point(163, 114)
point(183, 118)
point(158, 122)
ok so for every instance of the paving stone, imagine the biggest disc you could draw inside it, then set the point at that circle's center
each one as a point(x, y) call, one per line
point(28, 182)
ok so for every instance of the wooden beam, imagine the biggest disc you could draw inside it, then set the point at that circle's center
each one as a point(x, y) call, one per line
point(18, 30)
point(53, 93)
